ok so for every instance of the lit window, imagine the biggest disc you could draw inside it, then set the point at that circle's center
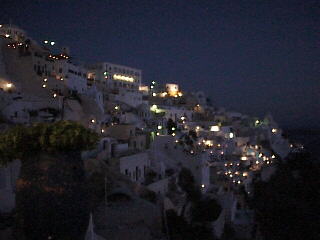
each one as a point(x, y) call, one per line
point(214, 128)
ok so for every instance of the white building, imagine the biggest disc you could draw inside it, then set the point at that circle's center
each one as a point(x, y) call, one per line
point(8, 177)
point(117, 82)
point(135, 166)
point(11, 31)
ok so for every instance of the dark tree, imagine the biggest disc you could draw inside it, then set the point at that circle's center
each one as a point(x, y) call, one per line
point(171, 126)
point(288, 206)
point(51, 197)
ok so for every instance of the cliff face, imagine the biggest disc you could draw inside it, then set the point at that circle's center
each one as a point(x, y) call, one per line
point(127, 215)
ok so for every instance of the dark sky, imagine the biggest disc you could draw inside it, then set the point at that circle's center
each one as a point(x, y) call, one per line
point(251, 56)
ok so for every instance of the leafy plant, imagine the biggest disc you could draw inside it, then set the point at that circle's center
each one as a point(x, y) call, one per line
point(22, 142)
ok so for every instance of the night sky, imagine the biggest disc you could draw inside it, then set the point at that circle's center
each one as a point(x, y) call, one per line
point(250, 56)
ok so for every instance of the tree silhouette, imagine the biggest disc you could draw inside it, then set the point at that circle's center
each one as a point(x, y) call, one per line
point(51, 190)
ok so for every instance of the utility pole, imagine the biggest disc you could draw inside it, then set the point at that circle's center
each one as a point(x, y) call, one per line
point(105, 193)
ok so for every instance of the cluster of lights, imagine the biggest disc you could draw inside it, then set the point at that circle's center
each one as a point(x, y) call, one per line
point(44, 85)
point(15, 45)
point(123, 78)
point(49, 42)
point(57, 57)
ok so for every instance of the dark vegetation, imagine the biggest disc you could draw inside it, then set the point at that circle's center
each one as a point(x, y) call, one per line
point(288, 206)
point(171, 125)
point(203, 211)
point(52, 199)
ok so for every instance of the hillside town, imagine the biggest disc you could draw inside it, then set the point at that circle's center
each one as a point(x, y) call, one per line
point(150, 136)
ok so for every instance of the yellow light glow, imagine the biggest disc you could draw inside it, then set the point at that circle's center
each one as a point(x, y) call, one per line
point(231, 135)
point(61, 79)
point(154, 94)
point(197, 128)
point(153, 108)
point(214, 128)
point(202, 185)
point(209, 143)
point(93, 121)
point(173, 134)
point(159, 127)
point(180, 94)
point(0, 26)
point(239, 182)
point(158, 134)
point(9, 85)
point(151, 87)
point(274, 130)
point(7, 35)
point(102, 130)
point(176, 141)
point(245, 174)
point(143, 88)
point(260, 155)
point(257, 121)
point(244, 158)
point(219, 145)
point(54, 95)
point(123, 78)
point(257, 162)
point(44, 85)
point(116, 107)
point(273, 156)
point(173, 128)
point(45, 79)
point(183, 118)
